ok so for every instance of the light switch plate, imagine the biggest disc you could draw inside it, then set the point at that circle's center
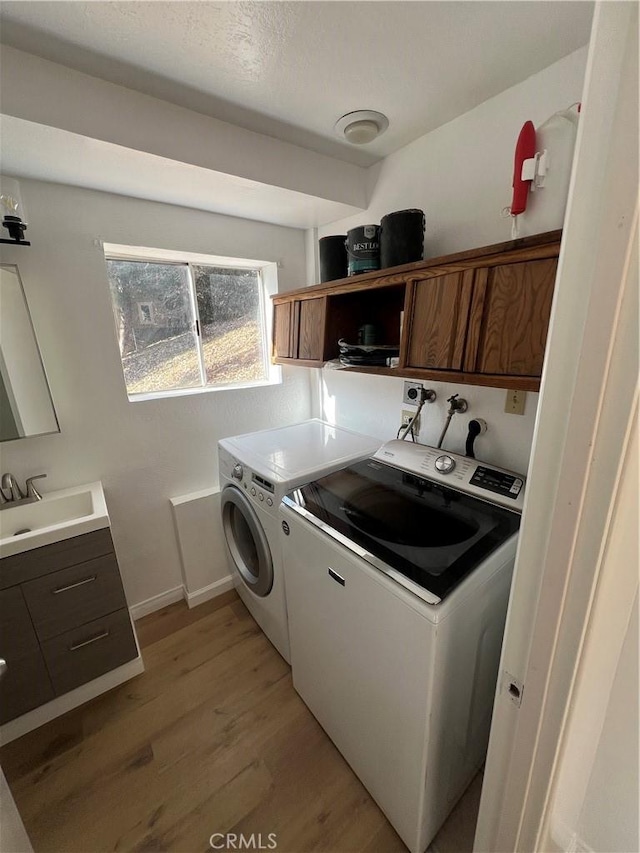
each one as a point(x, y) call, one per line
point(515, 402)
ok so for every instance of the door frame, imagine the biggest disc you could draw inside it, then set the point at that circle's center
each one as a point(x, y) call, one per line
point(588, 393)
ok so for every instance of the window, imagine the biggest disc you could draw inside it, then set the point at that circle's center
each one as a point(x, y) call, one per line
point(189, 322)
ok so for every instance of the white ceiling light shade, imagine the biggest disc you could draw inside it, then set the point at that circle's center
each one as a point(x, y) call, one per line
point(361, 126)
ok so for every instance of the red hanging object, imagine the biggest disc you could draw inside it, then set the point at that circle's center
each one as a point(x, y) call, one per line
point(525, 150)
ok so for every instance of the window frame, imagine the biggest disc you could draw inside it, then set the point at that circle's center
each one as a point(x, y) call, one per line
point(268, 286)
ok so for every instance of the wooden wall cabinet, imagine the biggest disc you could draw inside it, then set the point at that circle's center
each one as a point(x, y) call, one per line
point(63, 620)
point(299, 330)
point(510, 318)
point(478, 317)
point(438, 318)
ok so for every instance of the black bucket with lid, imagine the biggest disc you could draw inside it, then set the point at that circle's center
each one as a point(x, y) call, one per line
point(401, 238)
point(363, 249)
point(333, 257)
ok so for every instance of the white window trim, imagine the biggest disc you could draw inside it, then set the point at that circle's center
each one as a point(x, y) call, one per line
point(269, 278)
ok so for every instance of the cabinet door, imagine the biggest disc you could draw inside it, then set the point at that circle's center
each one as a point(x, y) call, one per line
point(283, 314)
point(311, 329)
point(510, 318)
point(438, 325)
point(26, 683)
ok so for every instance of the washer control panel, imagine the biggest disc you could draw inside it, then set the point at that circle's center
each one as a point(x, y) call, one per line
point(496, 485)
point(259, 489)
point(497, 481)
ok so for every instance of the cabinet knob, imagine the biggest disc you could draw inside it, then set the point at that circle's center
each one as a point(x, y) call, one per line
point(3, 667)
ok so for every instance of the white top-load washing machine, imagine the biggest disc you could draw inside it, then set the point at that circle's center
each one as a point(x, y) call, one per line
point(398, 571)
point(256, 471)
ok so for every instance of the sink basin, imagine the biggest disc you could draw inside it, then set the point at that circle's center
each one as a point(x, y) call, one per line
point(59, 515)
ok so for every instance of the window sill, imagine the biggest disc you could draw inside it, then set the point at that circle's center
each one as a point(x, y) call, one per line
point(275, 379)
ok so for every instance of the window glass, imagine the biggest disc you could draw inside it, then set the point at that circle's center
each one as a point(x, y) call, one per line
point(155, 324)
point(231, 324)
point(183, 325)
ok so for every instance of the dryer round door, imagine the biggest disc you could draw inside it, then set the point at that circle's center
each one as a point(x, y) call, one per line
point(246, 541)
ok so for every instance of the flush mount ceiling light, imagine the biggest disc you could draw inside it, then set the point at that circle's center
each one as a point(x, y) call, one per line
point(361, 126)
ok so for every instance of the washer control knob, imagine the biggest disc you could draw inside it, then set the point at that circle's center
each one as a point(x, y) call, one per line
point(253, 491)
point(260, 496)
point(238, 471)
point(269, 502)
point(445, 464)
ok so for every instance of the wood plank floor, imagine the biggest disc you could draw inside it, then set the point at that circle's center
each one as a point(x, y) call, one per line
point(212, 738)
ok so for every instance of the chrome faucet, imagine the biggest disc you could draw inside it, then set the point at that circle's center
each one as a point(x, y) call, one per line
point(11, 494)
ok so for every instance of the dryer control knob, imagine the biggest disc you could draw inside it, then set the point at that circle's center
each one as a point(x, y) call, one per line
point(445, 464)
point(269, 502)
point(260, 496)
point(238, 472)
point(253, 491)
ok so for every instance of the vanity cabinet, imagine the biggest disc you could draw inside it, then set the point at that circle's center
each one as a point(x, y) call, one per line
point(64, 620)
point(478, 317)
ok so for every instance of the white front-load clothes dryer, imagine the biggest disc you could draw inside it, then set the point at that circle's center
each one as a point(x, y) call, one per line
point(256, 471)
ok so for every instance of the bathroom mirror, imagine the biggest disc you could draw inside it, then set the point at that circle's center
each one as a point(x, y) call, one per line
point(26, 407)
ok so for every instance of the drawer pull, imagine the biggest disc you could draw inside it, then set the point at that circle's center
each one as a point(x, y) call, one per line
point(88, 642)
point(336, 577)
point(60, 589)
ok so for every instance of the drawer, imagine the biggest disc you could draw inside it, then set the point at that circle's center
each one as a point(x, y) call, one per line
point(85, 653)
point(33, 564)
point(66, 599)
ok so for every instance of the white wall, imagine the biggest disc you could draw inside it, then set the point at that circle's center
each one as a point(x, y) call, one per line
point(460, 175)
point(143, 452)
point(372, 404)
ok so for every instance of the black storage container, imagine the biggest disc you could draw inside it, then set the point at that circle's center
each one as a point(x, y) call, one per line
point(401, 238)
point(333, 257)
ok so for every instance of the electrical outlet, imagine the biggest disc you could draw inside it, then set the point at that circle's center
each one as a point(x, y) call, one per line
point(514, 403)
point(408, 415)
point(412, 393)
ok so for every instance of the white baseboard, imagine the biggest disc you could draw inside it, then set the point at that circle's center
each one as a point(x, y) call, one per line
point(157, 602)
point(179, 593)
point(208, 592)
point(45, 713)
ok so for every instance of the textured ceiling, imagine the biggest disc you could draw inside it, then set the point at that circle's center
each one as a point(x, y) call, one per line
point(291, 69)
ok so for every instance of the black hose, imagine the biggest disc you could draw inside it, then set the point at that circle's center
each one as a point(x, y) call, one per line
point(474, 431)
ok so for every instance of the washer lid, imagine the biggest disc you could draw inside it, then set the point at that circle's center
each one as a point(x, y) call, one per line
point(431, 534)
point(292, 453)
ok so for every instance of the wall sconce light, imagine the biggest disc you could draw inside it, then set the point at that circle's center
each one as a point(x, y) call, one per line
point(14, 217)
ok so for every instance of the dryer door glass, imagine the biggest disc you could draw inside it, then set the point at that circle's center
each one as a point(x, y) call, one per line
point(246, 541)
